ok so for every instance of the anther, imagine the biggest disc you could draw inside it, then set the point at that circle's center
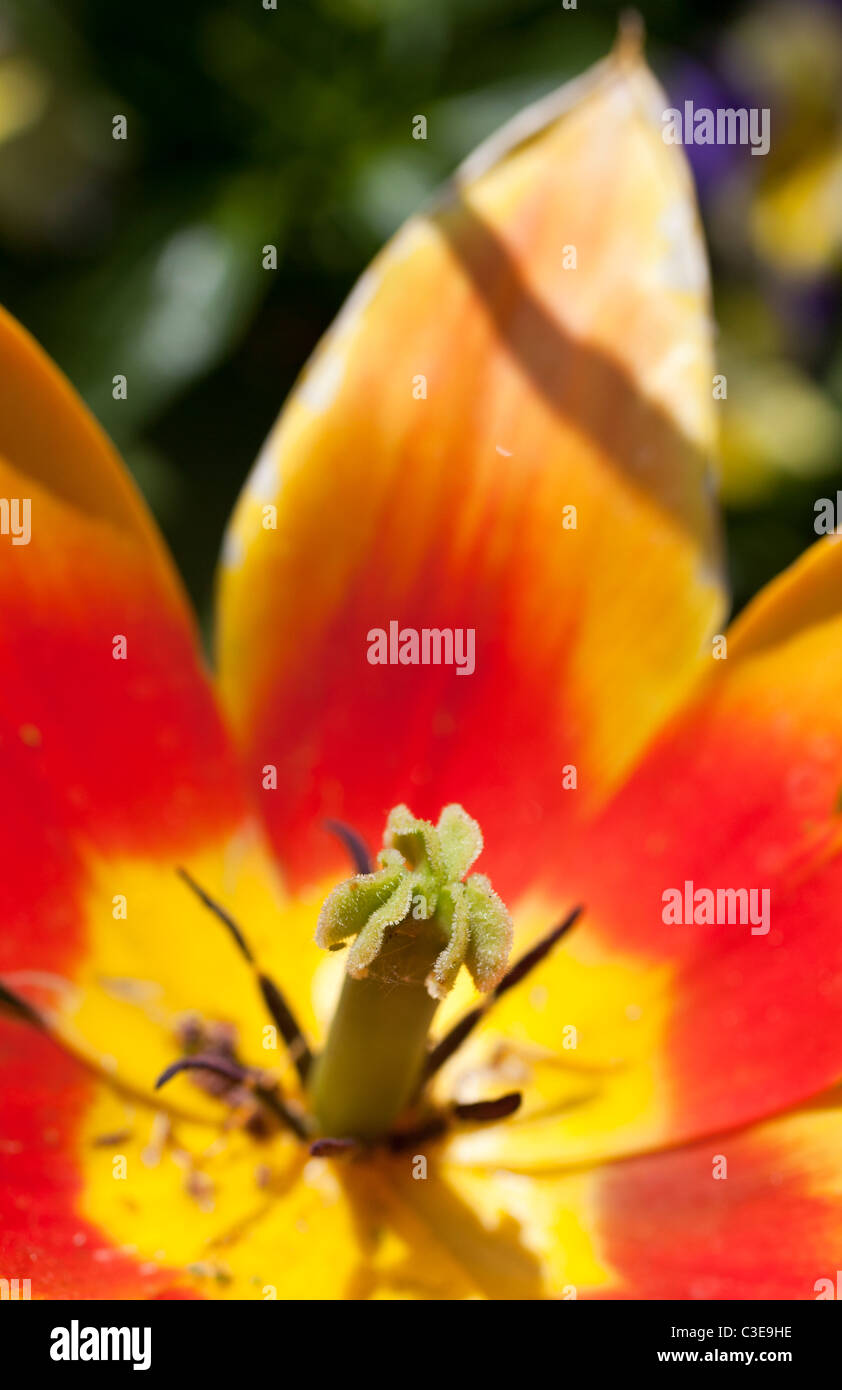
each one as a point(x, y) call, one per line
point(497, 1109)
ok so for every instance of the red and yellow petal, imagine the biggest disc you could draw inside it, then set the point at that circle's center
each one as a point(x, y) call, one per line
point(477, 388)
point(56, 445)
point(110, 737)
point(688, 1029)
point(167, 1212)
point(756, 1214)
point(44, 1236)
point(115, 764)
point(766, 1223)
point(115, 768)
point(103, 1196)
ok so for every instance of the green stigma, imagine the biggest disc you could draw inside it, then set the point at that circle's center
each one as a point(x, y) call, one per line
point(420, 880)
point(415, 922)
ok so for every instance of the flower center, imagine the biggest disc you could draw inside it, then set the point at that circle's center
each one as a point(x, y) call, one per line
point(415, 922)
point(408, 927)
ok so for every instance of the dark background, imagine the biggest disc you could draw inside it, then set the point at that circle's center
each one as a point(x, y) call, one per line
point(292, 127)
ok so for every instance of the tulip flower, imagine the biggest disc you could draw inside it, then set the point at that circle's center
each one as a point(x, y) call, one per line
point(325, 978)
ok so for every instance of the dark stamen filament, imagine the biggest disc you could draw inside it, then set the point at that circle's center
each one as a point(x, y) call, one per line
point(277, 1005)
point(240, 1076)
point(404, 1139)
point(330, 1148)
point(19, 1008)
point(453, 1040)
point(287, 1024)
point(354, 844)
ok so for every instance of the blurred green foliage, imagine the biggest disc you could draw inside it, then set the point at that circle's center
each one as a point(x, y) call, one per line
point(291, 127)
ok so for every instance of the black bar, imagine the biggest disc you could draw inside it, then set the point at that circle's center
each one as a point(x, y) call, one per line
point(216, 1339)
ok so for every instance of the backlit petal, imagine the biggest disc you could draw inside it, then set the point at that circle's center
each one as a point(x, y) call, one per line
point(44, 1235)
point(766, 1223)
point(663, 1030)
point(115, 766)
point(112, 1202)
point(476, 388)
